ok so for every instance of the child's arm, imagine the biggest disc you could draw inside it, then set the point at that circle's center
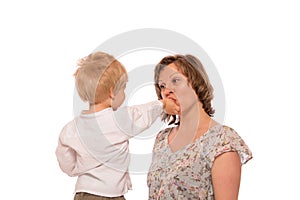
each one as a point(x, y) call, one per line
point(72, 156)
point(133, 120)
point(66, 157)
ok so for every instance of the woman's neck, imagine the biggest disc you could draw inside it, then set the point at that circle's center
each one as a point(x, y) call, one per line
point(194, 123)
point(194, 117)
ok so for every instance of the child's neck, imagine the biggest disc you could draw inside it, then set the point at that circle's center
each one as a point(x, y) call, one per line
point(97, 107)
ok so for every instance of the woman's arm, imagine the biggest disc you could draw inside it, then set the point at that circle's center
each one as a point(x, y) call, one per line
point(226, 175)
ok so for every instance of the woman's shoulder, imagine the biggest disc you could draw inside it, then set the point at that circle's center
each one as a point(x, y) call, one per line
point(227, 139)
point(220, 135)
point(228, 133)
point(163, 134)
point(221, 130)
point(161, 138)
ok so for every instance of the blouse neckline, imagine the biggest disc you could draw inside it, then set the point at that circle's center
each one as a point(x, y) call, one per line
point(190, 144)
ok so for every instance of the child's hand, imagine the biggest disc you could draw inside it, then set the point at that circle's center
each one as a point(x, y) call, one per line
point(170, 107)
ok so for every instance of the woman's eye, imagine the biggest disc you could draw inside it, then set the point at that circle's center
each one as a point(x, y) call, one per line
point(162, 87)
point(175, 80)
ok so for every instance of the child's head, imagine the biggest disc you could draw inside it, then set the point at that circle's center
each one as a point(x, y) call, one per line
point(98, 75)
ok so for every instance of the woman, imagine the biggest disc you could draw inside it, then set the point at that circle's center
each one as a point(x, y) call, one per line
point(196, 157)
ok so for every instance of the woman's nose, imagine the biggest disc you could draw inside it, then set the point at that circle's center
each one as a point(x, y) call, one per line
point(167, 91)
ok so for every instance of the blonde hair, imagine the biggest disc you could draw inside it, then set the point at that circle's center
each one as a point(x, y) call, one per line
point(192, 68)
point(96, 75)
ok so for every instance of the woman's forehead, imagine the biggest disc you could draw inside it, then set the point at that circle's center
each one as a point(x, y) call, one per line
point(169, 71)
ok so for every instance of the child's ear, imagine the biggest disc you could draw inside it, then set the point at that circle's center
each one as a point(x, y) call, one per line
point(111, 93)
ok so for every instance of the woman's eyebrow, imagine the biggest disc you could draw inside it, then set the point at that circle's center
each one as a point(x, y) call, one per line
point(173, 74)
point(170, 76)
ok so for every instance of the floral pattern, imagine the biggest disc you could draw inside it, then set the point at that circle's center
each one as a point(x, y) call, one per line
point(186, 173)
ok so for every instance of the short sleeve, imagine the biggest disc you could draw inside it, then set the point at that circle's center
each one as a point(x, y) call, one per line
point(229, 140)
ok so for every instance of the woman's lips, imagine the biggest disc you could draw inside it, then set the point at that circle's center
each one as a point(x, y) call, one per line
point(173, 99)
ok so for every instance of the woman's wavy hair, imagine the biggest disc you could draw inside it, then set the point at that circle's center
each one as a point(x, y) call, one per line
point(192, 68)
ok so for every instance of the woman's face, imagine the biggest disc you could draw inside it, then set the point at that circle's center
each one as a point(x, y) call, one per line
point(174, 85)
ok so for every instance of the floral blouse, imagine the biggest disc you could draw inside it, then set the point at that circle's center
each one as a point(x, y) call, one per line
point(186, 173)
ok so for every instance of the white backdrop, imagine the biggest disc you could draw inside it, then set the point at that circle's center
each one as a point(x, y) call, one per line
point(254, 46)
